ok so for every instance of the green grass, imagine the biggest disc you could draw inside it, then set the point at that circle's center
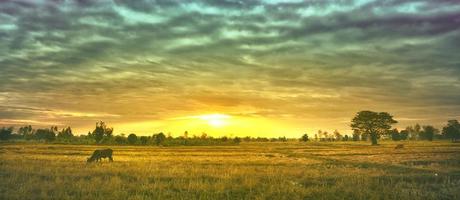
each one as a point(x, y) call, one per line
point(342, 170)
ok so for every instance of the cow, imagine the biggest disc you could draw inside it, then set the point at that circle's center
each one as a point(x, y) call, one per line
point(399, 146)
point(99, 154)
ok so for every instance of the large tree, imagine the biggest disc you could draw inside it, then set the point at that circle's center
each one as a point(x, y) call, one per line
point(452, 130)
point(372, 123)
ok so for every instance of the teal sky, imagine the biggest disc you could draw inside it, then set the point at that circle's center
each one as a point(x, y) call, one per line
point(297, 65)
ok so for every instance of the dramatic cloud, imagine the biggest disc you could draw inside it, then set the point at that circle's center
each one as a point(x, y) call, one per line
point(305, 64)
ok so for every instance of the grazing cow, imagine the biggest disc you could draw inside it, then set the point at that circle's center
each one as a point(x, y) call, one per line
point(399, 146)
point(99, 154)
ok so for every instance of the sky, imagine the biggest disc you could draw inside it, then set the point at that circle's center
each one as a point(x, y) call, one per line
point(224, 67)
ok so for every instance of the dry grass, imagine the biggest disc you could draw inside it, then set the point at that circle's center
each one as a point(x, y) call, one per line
point(421, 170)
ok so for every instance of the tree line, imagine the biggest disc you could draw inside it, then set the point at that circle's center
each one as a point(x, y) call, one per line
point(366, 125)
point(369, 125)
point(103, 134)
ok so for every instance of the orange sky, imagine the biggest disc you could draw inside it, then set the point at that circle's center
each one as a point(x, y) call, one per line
point(273, 68)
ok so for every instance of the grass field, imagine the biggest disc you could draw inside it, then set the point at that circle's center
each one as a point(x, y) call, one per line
point(422, 170)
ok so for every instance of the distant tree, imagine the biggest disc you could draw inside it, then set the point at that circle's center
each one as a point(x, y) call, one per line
point(65, 133)
point(452, 130)
point(282, 139)
point(120, 139)
point(304, 138)
point(6, 133)
point(355, 135)
point(320, 134)
point(132, 138)
point(101, 131)
point(186, 134)
point(372, 123)
point(337, 135)
point(346, 138)
point(428, 133)
point(26, 132)
point(316, 137)
point(144, 140)
point(236, 140)
point(159, 138)
point(417, 131)
point(403, 135)
point(395, 136)
point(413, 132)
point(326, 135)
point(45, 134)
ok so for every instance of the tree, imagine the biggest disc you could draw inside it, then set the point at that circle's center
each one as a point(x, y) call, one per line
point(372, 123)
point(5, 133)
point(337, 135)
point(45, 134)
point(120, 139)
point(403, 135)
point(452, 130)
point(101, 131)
point(304, 138)
point(26, 132)
point(159, 138)
point(355, 135)
point(65, 133)
point(236, 140)
point(395, 135)
point(132, 138)
point(144, 140)
point(428, 133)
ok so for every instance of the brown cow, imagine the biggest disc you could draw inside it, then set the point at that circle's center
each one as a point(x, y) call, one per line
point(399, 146)
point(99, 154)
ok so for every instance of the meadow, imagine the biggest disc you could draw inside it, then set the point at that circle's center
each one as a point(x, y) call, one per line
point(269, 170)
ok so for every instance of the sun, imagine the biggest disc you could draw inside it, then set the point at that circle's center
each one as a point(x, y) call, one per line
point(216, 120)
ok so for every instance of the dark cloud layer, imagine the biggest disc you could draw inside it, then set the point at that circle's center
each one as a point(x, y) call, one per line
point(309, 60)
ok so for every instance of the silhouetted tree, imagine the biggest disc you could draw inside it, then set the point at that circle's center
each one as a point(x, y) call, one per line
point(101, 131)
point(304, 138)
point(372, 123)
point(428, 133)
point(355, 135)
point(236, 140)
point(186, 134)
point(132, 138)
point(403, 135)
point(282, 139)
point(144, 140)
point(120, 139)
point(45, 134)
point(26, 132)
point(159, 138)
point(337, 135)
point(452, 130)
point(5, 133)
point(65, 133)
point(395, 136)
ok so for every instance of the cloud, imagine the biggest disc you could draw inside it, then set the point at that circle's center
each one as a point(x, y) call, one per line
point(144, 60)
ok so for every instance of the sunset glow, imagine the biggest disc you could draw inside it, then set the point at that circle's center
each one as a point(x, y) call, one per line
point(256, 68)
